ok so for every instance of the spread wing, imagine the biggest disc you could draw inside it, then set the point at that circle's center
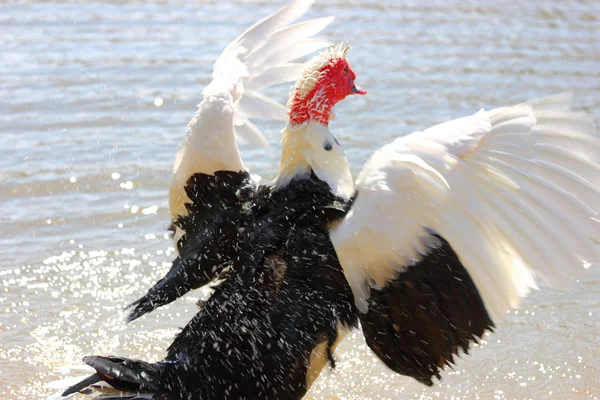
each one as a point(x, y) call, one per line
point(260, 57)
point(512, 193)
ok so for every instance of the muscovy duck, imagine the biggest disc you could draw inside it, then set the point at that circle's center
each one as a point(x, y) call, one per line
point(447, 228)
point(442, 233)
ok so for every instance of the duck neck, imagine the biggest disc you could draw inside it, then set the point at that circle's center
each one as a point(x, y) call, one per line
point(316, 106)
point(310, 147)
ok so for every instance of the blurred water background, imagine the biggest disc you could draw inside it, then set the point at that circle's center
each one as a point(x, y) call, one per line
point(94, 100)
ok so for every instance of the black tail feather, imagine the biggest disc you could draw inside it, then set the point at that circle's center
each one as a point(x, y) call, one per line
point(135, 396)
point(125, 374)
point(90, 380)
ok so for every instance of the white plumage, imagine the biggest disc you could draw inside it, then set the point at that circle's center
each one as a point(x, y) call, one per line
point(260, 57)
point(515, 191)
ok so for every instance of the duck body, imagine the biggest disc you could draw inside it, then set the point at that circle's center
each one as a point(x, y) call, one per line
point(285, 295)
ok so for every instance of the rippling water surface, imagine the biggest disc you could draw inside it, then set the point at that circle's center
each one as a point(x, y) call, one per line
point(94, 99)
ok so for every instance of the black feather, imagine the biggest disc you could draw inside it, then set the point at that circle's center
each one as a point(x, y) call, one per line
point(284, 295)
point(428, 314)
point(217, 213)
point(90, 380)
point(125, 374)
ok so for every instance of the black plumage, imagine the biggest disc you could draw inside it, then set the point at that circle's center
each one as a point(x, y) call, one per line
point(217, 211)
point(428, 314)
point(252, 339)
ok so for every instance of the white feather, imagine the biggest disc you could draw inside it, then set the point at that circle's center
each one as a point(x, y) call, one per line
point(281, 41)
point(303, 151)
point(515, 191)
point(258, 58)
point(249, 133)
point(257, 106)
point(273, 76)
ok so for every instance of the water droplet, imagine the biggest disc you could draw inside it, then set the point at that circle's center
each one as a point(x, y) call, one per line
point(126, 185)
point(72, 179)
point(115, 175)
point(158, 102)
point(150, 210)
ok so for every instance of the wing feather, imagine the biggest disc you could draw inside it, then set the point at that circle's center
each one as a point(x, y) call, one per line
point(286, 37)
point(255, 36)
point(556, 102)
point(282, 73)
point(515, 192)
point(263, 53)
point(257, 106)
point(260, 57)
point(585, 168)
point(529, 213)
point(250, 133)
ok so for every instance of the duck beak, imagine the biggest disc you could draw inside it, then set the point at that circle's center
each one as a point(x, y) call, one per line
point(358, 90)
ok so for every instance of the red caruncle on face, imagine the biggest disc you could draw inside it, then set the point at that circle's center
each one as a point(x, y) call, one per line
point(335, 83)
point(340, 78)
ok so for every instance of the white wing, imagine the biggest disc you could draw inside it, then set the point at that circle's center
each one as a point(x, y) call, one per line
point(261, 57)
point(515, 191)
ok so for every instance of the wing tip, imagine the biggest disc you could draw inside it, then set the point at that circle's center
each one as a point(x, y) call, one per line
point(562, 101)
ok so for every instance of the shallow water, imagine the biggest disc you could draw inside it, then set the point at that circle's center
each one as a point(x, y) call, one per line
point(86, 157)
